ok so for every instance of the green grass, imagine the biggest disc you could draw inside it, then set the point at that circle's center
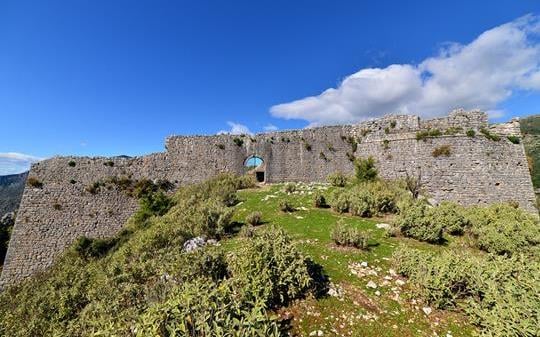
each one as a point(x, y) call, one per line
point(361, 312)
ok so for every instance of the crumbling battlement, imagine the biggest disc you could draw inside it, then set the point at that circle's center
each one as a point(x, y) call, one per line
point(478, 170)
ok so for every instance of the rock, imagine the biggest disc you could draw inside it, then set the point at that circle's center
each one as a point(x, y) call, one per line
point(378, 293)
point(364, 264)
point(194, 244)
point(426, 310)
point(320, 333)
point(400, 282)
point(335, 290)
point(372, 285)
point(382, 225)
point(8, 219)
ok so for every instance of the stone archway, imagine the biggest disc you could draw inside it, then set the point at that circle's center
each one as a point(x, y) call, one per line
point(255, 165)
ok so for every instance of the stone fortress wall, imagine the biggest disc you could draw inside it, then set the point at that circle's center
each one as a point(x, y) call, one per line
point(478, 171)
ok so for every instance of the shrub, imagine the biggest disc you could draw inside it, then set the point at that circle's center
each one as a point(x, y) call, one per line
point(354, 144)
point(254, 218)
point(289, 188)
point(365, 169)
point(94, 187)
point(498, 294)
point(238, 141)
point(245, 181)
point(323, 156)
point(350, 156)
point(72, 181)
point(387, 130)
point(443, 150)
point(221, 146)
point(307, 146)
point(471, 133)
point(109, 163)
point(503, 229)
point(337, 179)
point(271, 270)
point(93, 248)
point(346, 235)
point(489, 135)
point(57, 206)
point(331, 148)
point(430, 133)
point(72, 163)
point(204, 308)
point(34, 182)
point(247, 231)
point(319, 200)
point(452, 217)
point(393, 124)
point(415, 220)
point(340, 201)
point(286, 207)
point(413, 184)
point(453, 130)
point(361, 202)
point(386, 144)
point(514, 139)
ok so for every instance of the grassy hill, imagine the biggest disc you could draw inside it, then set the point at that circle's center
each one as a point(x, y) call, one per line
point(530, 127)
point(286, 264)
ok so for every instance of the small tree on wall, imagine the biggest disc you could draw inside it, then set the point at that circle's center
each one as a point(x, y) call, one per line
point(365, 169)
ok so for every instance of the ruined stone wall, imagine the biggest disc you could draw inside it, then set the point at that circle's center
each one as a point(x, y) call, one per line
point(477, 171)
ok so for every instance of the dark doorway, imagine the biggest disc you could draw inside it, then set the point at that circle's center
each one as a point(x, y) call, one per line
point(255, 165)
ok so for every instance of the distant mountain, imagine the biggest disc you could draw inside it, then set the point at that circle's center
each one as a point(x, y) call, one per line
point(11, 189)
point(530, 127)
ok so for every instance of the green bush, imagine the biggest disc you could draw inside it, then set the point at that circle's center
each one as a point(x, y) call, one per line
point(72, 163)
point(514, 139)
point(254, 218)
point(339, 201)
point(285, 206)
point(202, 308)
point(319, 200)
point(499, 294)
point(365, 169)
point(416, 220)
point(337, 179)
point(504, 229)
point(289, 188)
point(489, 135)
point(471, 133)
point(93, 248)
point(271, 270)
point(349, 236)
point(430, 133)
point(452, 217)
point(361, 202)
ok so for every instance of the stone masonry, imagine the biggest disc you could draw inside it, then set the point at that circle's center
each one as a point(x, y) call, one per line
point(477, 171)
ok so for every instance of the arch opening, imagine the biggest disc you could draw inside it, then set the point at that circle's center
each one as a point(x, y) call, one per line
point(255, 165)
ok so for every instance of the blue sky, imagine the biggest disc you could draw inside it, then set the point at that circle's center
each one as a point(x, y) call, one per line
point(117, 77)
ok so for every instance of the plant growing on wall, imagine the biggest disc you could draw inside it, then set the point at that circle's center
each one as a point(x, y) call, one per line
point(489, 135)
point(34, 182)
point(72, 163)
point(429, 133)
point(221, 146)
point(238, 141)
point(365, 169)
point(386, 144)
point(514, 139)
point(443, 150)
point(471, 133)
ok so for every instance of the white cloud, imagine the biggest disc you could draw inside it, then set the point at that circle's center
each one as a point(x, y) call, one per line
point(13, 162)
point(236, 129)
point(480, 75)
point(270, 127)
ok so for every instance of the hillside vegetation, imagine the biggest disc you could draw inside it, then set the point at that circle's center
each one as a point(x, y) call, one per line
point(356, 257)
point(530, 127)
